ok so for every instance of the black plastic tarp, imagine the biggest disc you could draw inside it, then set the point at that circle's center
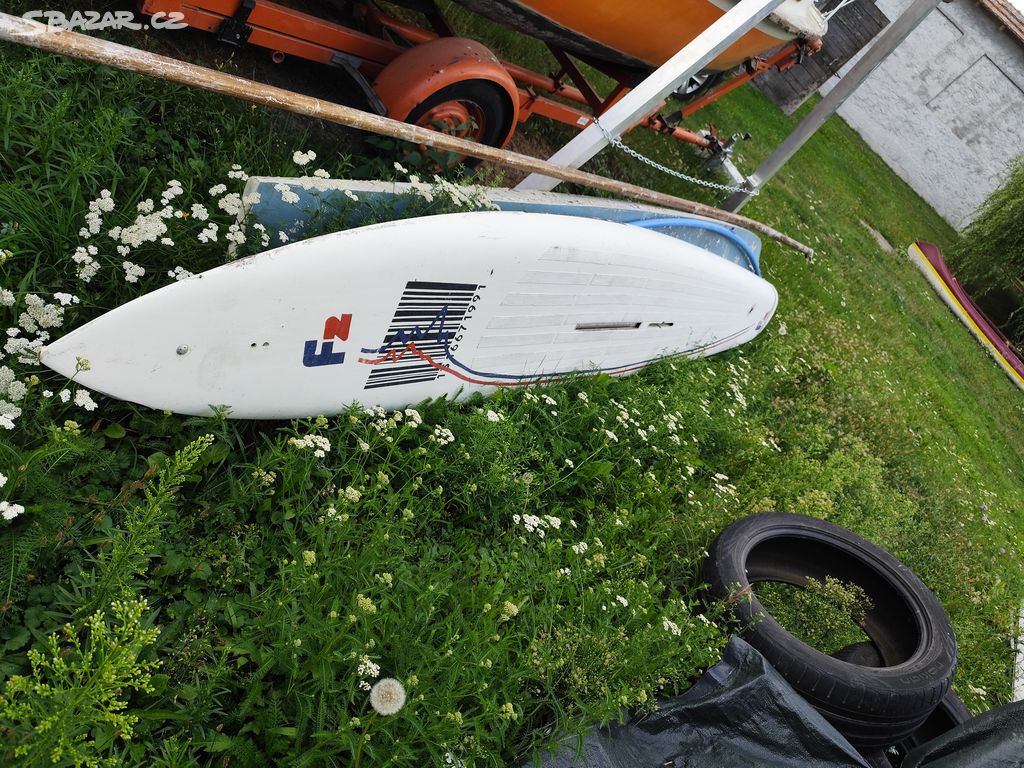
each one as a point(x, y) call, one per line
point(739, 714)
point(994, 739)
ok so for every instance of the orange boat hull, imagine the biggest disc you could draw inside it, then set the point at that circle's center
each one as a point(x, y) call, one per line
point(643, 34)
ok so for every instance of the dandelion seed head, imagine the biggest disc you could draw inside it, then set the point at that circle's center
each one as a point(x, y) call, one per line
point(387, 696)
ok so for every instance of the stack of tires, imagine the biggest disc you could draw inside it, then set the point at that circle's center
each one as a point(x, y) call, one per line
point(892, 690)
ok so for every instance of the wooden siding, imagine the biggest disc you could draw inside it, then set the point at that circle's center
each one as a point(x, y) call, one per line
point(848, 31)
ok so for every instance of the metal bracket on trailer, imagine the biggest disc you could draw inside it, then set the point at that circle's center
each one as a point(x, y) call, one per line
point(350, 64)
point(235, 30)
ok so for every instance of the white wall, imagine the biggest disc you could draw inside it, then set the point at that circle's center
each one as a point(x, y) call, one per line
point(946, 110)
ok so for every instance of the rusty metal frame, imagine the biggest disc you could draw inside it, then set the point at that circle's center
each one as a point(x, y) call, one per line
point(784, 58)
point(287, 31)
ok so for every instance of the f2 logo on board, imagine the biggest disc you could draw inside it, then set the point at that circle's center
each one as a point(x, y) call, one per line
point(334, 328)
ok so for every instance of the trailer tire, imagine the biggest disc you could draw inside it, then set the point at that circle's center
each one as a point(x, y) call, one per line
point(483, 102)
point(872, 706)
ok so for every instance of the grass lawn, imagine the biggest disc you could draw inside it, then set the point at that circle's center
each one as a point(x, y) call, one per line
point(182, 591)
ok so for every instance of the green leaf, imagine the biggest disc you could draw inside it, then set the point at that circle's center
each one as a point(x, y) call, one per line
point(114, 431)
point(156, 461)
point(18, 640)
point(215, 454)
point(219, 743)
point(235, 617)
point(595, 469)
point(159, 683)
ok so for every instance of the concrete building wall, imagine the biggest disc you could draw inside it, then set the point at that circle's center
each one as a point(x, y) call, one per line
point(946, 110)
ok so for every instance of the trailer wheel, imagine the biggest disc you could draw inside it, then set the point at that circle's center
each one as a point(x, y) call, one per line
point(454, 85)
point(871, 706)
point(470, 109)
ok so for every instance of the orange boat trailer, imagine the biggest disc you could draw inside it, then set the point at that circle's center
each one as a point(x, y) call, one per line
point(433, 78)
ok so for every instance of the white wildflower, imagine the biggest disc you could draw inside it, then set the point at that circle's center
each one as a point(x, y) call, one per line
point(39, 314)
point(10, 511)
point(443, 436)
point(132, 272)
point(66, 299)
point(24, 350)
point(320, 446)
point(209, 234)
point(8, 413)
point(287, 195)
point(87, 265)
point(303, 158)
point(367, 668)
point(231, 204)
point(83, 399)
point(104, 203)
point(173, 190)
point(17, 391)
point(180, 273)
point(235, 234)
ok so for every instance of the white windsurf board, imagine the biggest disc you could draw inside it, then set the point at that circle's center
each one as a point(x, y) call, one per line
point(394, 313)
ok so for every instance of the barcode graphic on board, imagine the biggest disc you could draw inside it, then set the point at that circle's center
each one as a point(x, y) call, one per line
point(428, 315)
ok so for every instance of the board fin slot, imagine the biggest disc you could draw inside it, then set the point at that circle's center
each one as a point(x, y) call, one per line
point(606, 326)
point(660, 325)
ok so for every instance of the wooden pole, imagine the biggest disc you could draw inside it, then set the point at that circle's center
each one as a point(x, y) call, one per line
point(36, 35)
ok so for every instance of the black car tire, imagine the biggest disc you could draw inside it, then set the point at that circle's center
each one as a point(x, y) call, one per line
point(950, 713)
point(871, 706)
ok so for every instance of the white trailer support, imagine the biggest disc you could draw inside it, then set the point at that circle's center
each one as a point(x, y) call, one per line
point(884, 45)
point(642, 99)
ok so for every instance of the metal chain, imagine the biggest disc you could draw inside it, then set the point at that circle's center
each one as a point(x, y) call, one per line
point(617, 142)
